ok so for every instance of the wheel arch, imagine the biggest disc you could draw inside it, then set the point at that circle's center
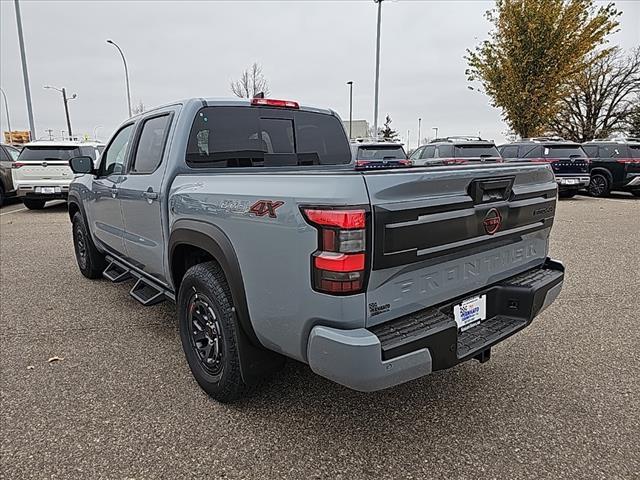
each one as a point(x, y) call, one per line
point(208, 238)
point(604, 171)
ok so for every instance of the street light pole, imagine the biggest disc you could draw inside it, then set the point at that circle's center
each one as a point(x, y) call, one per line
point(436, 129)
point(6, 106)
point(126, 73)
point(419, 127)
point(350, 109)
point(25, 73)
point(66, 106)
point(377, 88)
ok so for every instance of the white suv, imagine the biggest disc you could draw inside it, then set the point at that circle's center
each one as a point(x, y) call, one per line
point(42, 170)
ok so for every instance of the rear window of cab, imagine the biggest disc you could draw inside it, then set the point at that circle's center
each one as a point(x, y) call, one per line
point(265, 137)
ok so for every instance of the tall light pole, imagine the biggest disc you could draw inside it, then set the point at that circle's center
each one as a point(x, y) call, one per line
point(419, 127)
point(436, 129)
point(95, 131)
point(6, 106)
point(375, 107)
point(126, 73)
point(65, 100)
point(25, 73)
point(350, 109)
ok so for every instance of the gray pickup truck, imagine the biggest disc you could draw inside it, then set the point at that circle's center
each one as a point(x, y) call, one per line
point(249, 214)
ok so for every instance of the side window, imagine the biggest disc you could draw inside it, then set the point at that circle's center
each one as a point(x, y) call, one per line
point(612, 151)
point(509, 151)
point(114, 156)
point(151, 144)
point(528, 151)
point(445, 151)
point(591, 150)
point(428, 152)
point(417, 153)
point(3, 155)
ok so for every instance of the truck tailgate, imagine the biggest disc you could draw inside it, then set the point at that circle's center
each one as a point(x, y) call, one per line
point(440, 233)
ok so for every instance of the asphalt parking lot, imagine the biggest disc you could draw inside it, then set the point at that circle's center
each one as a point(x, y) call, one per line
point(558, 400)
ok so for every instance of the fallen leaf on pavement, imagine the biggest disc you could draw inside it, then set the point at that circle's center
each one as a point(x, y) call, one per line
point(30, 367)
point(55, 359)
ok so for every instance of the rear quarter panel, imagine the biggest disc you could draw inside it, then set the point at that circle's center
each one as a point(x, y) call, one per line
point(275, 253)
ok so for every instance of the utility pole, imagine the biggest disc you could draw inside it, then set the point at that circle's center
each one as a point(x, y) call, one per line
point(436, 130)
point(66, 106)
point(419, 127)
point(375, 107)
point(25, 73)
point(350, 109)
point(6, 106)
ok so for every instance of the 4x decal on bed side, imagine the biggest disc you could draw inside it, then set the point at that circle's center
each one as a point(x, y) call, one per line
point(265, 207)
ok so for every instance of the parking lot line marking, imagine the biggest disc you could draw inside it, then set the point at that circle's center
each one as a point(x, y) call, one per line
point(13, 211)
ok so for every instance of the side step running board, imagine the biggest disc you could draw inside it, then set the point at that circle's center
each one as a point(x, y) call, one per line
point(116, 273)
point(144, 290)
point(146, 293)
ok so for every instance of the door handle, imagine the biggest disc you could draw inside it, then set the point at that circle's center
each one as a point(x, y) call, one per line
point(150, 195)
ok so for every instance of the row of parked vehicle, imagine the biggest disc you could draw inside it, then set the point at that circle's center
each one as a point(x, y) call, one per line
point(41, 171)
point(598, 166)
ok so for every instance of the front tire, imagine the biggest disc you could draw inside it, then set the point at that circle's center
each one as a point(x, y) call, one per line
point(90, 261)
point(635, 193)
point(209, 332)
point(599, 185)
point(34, 204)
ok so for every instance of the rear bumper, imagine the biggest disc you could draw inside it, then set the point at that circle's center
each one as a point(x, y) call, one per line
point(572, 182)
point(420, 343)
point(34, 191)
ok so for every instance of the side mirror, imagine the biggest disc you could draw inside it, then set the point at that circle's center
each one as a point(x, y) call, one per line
point(81, 164)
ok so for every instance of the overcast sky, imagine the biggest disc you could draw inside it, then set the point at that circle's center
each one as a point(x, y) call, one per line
point(308, 50)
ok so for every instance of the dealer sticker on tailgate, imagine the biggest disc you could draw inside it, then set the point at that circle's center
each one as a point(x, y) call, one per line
point(470, 311)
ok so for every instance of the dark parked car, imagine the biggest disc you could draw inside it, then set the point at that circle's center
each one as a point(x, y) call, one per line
point(8, 155)
point(568, 160)
point(615, 165)
point(456, 150)
point(369, 155)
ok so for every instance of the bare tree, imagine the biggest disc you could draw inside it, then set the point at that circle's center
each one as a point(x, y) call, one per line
point(251, 83)
point(600, 100)
point(633, 121)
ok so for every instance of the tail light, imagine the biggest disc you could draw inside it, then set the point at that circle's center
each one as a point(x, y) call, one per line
point(270, 102)
point(339, 266)
point(454, 161)
point(628, 160)
point(17, 164)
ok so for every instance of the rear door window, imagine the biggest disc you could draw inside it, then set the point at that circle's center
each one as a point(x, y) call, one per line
point(612, 151)
point(445, 151)
point(265, 137)
point(151, 143)
point(634, 150)
point(591, 150)
point(428, 152)
point(510, 151)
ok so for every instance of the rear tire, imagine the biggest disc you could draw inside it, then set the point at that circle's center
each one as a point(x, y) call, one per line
point(636, 193)
point(208, 331)
point(1, 195)
point(567, 193)
point(599, 186)
point(34, 204)
point(90, 261)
